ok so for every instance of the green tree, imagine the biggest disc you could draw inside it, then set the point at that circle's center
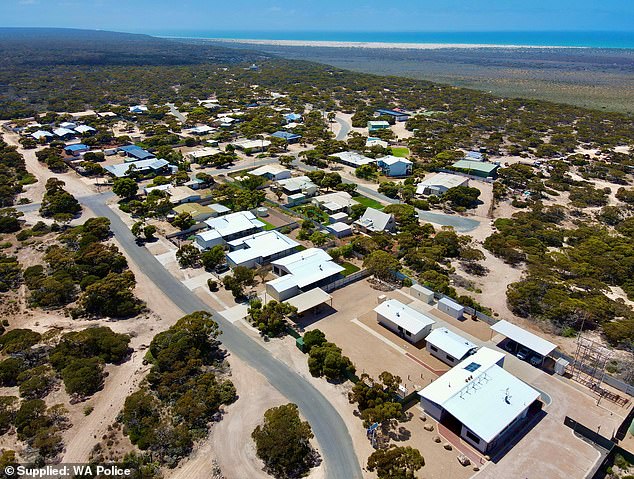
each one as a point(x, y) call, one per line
point(212, 258)
point(188, 256)
point(241, 277)
point(326, 360)
point(125, 188)
point(111, 296)
point(83, 376)
point(396, 462)
point(314, 337)
point(184, 221)
point(283, 442)
point(381, 264)
point(270, 318)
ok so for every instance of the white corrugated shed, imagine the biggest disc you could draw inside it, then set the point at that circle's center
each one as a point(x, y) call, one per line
point(523, 337)
point(450, 342)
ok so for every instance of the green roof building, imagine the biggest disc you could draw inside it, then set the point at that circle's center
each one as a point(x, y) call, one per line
point(477, 168)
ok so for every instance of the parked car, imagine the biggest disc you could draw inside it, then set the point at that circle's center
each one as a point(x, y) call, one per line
point(221, 268)
point(510, 346)
point(536, 360)
point(523, 354)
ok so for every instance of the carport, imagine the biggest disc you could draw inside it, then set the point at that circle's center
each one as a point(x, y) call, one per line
point(309, 300)
point(525, 338)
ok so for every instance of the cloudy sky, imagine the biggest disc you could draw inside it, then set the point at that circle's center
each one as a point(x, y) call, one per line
point(165, 16)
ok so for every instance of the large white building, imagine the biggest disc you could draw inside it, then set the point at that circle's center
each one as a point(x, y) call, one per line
point(301, 272)
point(479, 400)
point(259, 249)
point(449, 347)
point(439, 183)
point(224, 229)
point(402, 319)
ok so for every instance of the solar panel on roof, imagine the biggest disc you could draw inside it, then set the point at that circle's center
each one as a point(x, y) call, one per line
point(471, 367)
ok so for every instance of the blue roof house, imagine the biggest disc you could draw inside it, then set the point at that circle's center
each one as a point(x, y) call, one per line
point(76, 150)
point(136, 152)
point(397, 115)
point(288, 136)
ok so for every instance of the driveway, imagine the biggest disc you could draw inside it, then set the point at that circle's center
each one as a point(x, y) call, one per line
point(329, 429)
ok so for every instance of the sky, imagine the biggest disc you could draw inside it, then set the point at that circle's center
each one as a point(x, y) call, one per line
point(166, 16)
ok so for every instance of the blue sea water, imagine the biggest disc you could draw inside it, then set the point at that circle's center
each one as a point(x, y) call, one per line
point(595, 39)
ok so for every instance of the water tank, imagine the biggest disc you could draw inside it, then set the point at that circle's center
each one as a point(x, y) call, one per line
point(262, 211)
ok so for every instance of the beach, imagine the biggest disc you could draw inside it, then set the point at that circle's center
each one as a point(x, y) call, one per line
point(374, 45)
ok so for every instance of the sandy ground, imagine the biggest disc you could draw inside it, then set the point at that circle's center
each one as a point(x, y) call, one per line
point(75, 184)
point(230, 440)
point(123, 379)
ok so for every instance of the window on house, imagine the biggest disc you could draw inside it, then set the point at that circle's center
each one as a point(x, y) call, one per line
point(450, 358)
point(408, 333)
point(433, 348)
point(473, 437)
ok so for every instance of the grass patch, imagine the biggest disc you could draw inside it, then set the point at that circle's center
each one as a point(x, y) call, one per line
point(349, 269)
point(267, 226)
point(400, 151)
point(369, 202)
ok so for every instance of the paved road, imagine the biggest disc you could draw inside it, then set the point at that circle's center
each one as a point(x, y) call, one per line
point(345, 128)
point(329, 429)
point(460, 224)
point(174, 111)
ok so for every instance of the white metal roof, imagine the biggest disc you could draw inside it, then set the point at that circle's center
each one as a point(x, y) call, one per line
point(354, 158)
point(251, 144)
point(297, 183)
point(451, 304)
point(523, 337)
point(203, 152)
point(234, 223)
point(122, 169)
point(481, 394)
point(84, 129)
point(63, 131)
point(374, 220)
point(452, 382)
point(338, 227)
point(450, 342)
point(260, 245)
point(404, 316)
point(341, 198)
point(309, 299)
point(269, 170)
point(446, 180)
point(304, 268)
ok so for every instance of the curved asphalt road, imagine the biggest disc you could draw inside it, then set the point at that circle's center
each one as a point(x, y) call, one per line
point(345, 129)
point(329, 429)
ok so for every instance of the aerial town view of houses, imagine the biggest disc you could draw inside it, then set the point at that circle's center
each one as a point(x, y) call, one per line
point(421, 287)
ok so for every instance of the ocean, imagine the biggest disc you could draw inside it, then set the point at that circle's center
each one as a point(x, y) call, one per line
point(593, 39)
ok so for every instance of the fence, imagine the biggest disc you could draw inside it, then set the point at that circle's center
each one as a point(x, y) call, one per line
point(340, 283)
point(466, 175)
point(608, 448)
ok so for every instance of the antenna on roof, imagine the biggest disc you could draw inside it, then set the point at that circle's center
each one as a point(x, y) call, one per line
point(507, 397)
